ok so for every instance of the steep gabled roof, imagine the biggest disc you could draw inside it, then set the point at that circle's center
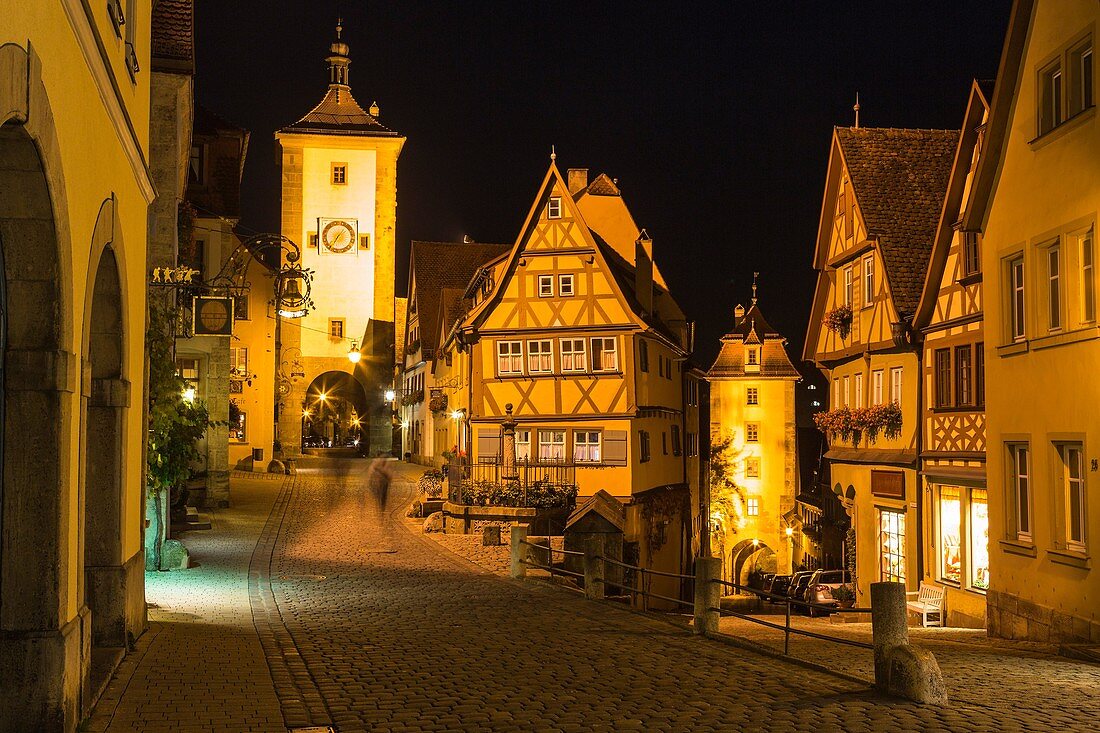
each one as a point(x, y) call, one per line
point(173, 36)
point(439, 266)
point(339, 114)
point(753, 328)
point(900, 178)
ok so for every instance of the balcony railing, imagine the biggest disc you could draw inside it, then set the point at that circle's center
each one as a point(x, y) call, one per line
point(533, 483)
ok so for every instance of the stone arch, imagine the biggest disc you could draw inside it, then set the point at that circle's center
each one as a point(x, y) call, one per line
point(41, 627)
point(746, 555)
point(106, 396)
point(331, 399)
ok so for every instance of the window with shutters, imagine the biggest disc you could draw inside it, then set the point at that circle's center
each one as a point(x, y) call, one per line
point(615, 447)
point(540, 356)
point(644, 445)
point(586, 446)
point(979, 375)
point(643, 355)
point(677, 448)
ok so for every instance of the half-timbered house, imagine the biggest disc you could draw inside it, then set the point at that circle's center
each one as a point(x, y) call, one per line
point(574, 334)
point(949, 319)
point(883, 195)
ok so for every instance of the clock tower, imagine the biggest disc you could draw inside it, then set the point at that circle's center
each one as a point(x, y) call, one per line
point(339, 204)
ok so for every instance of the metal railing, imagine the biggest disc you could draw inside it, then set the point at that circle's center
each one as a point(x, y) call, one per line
point(536, 481)
point(786, 627)
point(549, 549)
point(646, 575)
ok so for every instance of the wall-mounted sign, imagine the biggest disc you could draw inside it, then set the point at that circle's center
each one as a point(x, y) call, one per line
point(213, 316)
point(173, 276)
point(888, 484)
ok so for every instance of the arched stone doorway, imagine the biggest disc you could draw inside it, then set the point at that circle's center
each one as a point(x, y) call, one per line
point(748, 556)
point(106, 397)
point(335, 412)
point(41, 629)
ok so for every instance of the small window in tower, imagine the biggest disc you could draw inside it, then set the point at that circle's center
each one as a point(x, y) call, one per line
point(339, 174)
point(313, 239)
point(553, 208)
point(336, 328)
point(364, 241)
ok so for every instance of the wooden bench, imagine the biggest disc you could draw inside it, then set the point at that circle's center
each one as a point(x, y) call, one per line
point(928, 602)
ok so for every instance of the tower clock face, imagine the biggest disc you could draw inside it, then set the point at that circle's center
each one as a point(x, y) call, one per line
point(338, 236)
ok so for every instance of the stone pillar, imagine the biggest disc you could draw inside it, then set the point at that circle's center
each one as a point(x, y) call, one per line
point(708, 594)
point(594, 569)
point(508, 449)
point(217, 437)
point(889, 625)
point(519, 550)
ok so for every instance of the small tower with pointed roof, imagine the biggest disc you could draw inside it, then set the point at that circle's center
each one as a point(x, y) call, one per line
point(339, 203)
point(752, 412)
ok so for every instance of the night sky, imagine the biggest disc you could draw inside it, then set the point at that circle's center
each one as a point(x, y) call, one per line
point(715, 118)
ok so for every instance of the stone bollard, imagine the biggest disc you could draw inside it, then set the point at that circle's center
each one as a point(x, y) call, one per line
point(707, 594)
point(593, 569)
point(901, 669)
point(519, 550)
point(490, 536)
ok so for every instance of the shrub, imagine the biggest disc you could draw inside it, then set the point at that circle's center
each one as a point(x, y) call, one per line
point(430, 484)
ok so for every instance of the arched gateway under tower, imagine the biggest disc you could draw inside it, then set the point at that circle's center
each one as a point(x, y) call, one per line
point(339, 201)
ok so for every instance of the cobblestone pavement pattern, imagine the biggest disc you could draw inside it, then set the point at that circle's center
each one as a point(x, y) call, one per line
point(368, 626)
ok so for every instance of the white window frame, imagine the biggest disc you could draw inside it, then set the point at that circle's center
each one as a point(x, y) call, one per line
point(523, 445)
point(553, 208)
point(540, 359)
point(587, 446)
point(868, 280)
point(752, 506)
point(892, 522)
point(847, 391)
point(752, 432)
point(752, 467)
point(1020, 472)
point(548, 438)
point(1017, 298)
point(752, 395)
point(859, 389)
point(565, 285)
point(849, 286)
point(514, 356)
point(572, 358)
point(752, 356)
point(896, 375)
point(599, 346)
point(546, 286)
point(876, 386)
point(1073, 461)
point(1088, 278)
point(1053, 257)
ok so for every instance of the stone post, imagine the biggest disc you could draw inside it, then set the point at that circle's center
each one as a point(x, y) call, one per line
point(707, 594)
point(593, 569)
point(889, 625)
point(508, 449)
point(519, 550)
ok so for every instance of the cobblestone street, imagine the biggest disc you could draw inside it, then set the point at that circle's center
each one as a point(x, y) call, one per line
point(313, 606)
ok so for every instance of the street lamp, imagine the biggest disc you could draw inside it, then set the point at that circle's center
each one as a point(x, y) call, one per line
point(354, 355)
point(390, 395)
point(189, 394)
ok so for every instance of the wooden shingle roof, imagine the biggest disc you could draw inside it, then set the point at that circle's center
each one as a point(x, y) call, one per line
point(900, 178)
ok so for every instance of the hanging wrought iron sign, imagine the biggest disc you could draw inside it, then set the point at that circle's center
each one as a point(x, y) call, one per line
point(213, 316)
point(173, 276)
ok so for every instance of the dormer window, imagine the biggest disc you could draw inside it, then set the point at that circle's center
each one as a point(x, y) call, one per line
point(752, 357)
point(553, 208)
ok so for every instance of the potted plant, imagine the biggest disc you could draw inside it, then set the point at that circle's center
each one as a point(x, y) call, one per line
point(844, 596)
point(839, 320)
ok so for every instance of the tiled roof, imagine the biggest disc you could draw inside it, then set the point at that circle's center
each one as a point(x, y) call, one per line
point(602, 185)
point(900, 179)
point(437, 266)
point(667, 318)
point(339, 114)
point(173, 35)
point(752, 328)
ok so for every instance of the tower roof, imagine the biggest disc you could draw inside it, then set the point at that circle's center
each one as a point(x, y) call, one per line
point(338, 113)
point(750, 329)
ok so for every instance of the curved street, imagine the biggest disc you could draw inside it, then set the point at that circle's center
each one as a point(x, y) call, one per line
point(311, 605)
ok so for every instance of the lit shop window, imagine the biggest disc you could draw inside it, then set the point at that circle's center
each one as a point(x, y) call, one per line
point(892, 546)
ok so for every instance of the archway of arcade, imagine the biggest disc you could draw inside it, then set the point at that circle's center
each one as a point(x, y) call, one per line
point(746, 557)
point(335, 412)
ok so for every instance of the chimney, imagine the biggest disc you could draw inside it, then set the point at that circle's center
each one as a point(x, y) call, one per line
point(643, 271)
point(577, 179)
point(738, 314)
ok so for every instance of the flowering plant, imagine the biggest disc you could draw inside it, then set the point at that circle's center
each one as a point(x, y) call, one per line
point(839, 320)
point(848, 424)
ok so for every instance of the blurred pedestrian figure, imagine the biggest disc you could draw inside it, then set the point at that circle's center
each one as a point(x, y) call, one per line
point(379, 475)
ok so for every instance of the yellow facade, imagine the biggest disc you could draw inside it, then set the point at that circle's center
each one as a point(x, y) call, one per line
point(1036, 200)
point(956, 508)
point(252, 374)
point(76, 190)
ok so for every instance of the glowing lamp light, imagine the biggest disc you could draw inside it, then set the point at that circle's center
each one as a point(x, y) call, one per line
point(456, 415)
point(404, 424)
point(322, 397)
point(390, 395)
point(755, 542)
point(306, 413)
point(789, 531)
point(354, 355)
point(189, 394)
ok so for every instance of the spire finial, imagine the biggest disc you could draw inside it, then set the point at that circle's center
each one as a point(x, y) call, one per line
point(755, 275)
point(339, 27)
point(553, 154)
point(855, 108)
